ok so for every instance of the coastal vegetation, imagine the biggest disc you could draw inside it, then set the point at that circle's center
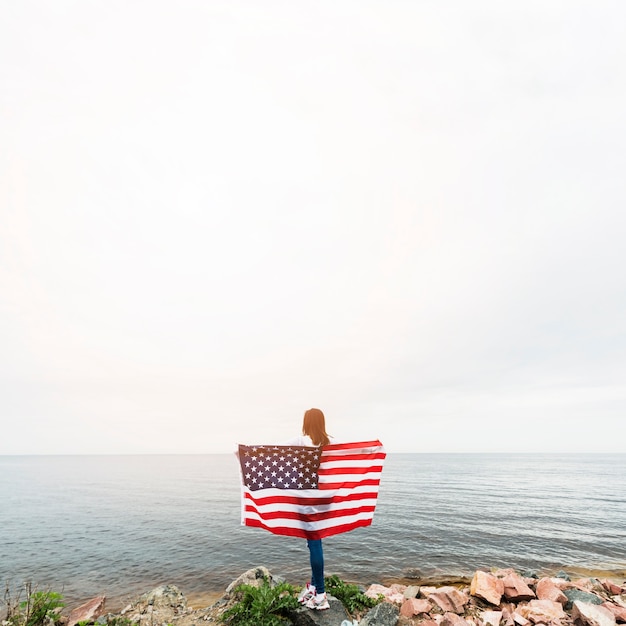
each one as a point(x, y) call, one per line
point(264, 605)
point(497, 597)
point(270, 604)
point(351, 596)
point(30, 606)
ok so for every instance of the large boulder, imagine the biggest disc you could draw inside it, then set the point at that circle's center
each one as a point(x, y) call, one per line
point(383, 614)
point(328, 617)
point(487, 587)
point(162, 605)
point(166, 596)
point(254, 577)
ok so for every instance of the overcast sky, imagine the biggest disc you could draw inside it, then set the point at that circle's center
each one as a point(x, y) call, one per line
point(217, 214)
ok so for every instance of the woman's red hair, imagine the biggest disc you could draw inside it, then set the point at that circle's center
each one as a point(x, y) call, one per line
point(314, 425)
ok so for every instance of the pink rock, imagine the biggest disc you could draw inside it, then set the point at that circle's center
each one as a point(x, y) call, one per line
point(421, 606)
point(561, 583)
point(375, 590)
point(487, 587)
point(507, 614)
point(520, 620)
point(430, 622)
point(586, 614)
point(87, 612)
point(618, 611)
point(452, 619)
point(406, 610)
point(611, 587)
point(425, 591)
point(449, 599)
point(413, 606)
point(538, 611)
point(491, 618)
point(516, 589)
point(547, 590)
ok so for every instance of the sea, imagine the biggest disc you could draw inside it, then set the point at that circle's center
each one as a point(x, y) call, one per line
point(121, 525)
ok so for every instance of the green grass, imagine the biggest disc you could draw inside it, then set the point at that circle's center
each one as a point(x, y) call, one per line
point(40, 608)
point(350, 595)
point(261, 606)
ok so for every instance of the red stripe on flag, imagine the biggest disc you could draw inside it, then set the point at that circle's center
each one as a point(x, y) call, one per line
point(286, 499)
point(309, 517)
point(310, 534)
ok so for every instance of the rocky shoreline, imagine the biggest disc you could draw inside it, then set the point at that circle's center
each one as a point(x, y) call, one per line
point(501, 597)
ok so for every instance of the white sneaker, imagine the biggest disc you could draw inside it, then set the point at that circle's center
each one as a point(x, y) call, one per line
point(306, 594)
point(319, 602)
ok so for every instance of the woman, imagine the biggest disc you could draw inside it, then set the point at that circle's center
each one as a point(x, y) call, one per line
point(314, 434)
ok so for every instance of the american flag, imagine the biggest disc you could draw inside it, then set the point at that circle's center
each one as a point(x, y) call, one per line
point(308, 492)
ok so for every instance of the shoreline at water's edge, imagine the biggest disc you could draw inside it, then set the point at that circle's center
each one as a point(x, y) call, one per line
point(203, 599)
point(499, 597)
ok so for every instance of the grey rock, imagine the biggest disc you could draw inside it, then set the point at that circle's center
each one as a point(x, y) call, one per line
point(563, 575)
point(329, 617)
point(383, 614)
point(160, 606)
point(412, 572)
point(582, 596)
point(253, 577)
point(412, 591)
point(166, 596)
point(528, 573)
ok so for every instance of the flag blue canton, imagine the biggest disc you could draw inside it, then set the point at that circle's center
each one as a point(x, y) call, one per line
point(279, 467)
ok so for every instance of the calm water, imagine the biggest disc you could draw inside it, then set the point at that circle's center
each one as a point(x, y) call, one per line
point(122, 525)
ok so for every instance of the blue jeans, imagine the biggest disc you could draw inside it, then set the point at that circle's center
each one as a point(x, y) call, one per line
point(316, 555)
